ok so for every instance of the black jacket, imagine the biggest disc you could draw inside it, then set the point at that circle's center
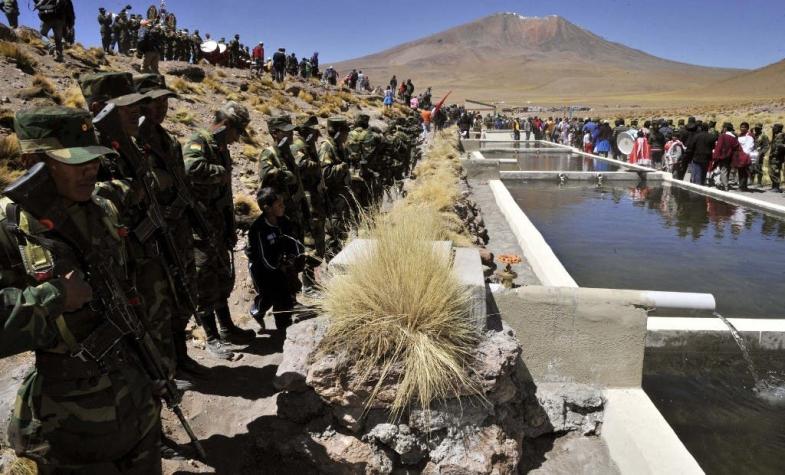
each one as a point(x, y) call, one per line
point(699, 147)
point(270, 247)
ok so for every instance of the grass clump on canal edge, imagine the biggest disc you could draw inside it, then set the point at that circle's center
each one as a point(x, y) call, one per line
point(400, 309)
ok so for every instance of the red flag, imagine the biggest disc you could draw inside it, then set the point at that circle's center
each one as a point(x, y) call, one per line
point(441, 103)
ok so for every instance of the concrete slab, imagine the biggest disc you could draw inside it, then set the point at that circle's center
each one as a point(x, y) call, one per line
point(361, 247)
point(698, 333)
point(639, 439)
point(538, 253)
point(467, 268)
point(502, 240)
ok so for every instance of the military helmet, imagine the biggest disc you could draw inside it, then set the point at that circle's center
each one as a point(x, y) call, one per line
point(153, 86)
point(237, 36)
point(281, 123)
point(110, 87)
point(236, 115)
point(101, 9)
point(62, 133)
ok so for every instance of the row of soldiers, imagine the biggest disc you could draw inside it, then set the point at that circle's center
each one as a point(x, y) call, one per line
point(323, 184)
point(117, 236)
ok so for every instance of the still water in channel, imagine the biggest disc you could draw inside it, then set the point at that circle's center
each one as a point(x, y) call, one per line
point(660, 238)
point(556, 162)
point(625, 236)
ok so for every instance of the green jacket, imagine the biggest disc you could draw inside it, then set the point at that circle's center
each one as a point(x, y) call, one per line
point(68, 411)
point(208, 166)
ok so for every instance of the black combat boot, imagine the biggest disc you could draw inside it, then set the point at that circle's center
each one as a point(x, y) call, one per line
point(184, 362)
point(214, 343)
point(229, 331)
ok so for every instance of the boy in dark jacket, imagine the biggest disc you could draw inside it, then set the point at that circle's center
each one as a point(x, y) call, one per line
point(274, 260)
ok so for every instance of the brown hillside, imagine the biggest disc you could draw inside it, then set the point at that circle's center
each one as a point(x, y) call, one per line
point(517, 59)
point(766, 82)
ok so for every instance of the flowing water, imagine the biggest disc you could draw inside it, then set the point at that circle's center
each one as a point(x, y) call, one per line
point(745, 353)
point(728, 409)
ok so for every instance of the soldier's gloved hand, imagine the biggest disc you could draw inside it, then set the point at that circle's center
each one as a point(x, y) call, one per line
point(77, 291)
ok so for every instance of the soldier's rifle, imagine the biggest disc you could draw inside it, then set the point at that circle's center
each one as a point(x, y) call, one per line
point(36, 194)
point(110, 125)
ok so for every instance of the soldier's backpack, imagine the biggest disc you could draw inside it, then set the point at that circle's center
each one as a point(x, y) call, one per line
point(357, 146)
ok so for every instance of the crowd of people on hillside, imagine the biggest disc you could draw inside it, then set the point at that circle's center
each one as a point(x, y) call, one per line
point(721, 158)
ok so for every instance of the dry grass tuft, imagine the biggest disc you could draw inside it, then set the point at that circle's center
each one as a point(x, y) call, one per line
point(251, 152)
point(181, 86)
point(15, 54)
point(220, 73)
point(279, 101)
point(215, 85)
point(184, 116)
point(23, 466)
point(306, 96)
point(45, 84)
point(245, 205)
point(264, 109)
point(74, 98)
point(10, 167)
point(31, 37)
point(399, 306)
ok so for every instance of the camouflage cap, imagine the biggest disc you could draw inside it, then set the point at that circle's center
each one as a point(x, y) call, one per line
point(306, 121)
point(362, 120)
point(110, 87)
point(335, 122)
point(64, 134)
point(282, 123)
point(153, 86)
point(237, 116)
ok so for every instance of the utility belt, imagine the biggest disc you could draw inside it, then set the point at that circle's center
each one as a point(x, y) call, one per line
point(67, 367)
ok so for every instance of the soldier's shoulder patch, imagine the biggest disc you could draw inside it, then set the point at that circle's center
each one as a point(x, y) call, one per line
point(197, 147)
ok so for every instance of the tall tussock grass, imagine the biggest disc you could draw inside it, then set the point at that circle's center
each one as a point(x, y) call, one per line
point(399, 306)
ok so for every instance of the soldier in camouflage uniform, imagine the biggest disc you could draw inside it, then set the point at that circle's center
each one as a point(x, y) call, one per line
point(118, 182)
point(363, 147)
point(11, 10)
point(116, 34)
point(105, 22)
point(174, 194)
point(307, 158)
point(762, 145)
point(196, 47)
point(337, 178)
point(209, 168)
point(234, 52)
point(777, 157)
point(124, 43)
point(278, 170)
point(72, 415)
point(134, 25)
point(400, 152)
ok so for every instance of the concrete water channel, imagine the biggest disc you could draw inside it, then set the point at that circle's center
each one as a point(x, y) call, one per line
point(591, 222)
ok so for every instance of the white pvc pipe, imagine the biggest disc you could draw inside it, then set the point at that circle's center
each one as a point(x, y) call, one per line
point(681, 300)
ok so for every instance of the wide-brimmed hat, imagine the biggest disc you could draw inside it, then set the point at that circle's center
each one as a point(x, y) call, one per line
point(152, 86)
point(114, 87)
point(282, 123)
point(237, 116)
point(64, 134)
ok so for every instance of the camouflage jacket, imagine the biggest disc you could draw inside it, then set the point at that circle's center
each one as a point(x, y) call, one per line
point(208, 166)
point(277, 169)
point(762, 144)
point(66, 402)
point(307, 160)
point(778, 147)
point(105, 22)
point(335, 169)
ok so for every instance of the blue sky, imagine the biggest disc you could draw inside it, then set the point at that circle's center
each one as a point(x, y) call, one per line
point(730, 33)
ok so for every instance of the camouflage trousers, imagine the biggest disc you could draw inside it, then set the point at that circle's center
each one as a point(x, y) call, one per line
point(214, 274)
point(315, 241)
point(109, 424)
point(153, 284)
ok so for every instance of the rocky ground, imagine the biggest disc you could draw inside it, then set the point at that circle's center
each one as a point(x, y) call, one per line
point(272, 409)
